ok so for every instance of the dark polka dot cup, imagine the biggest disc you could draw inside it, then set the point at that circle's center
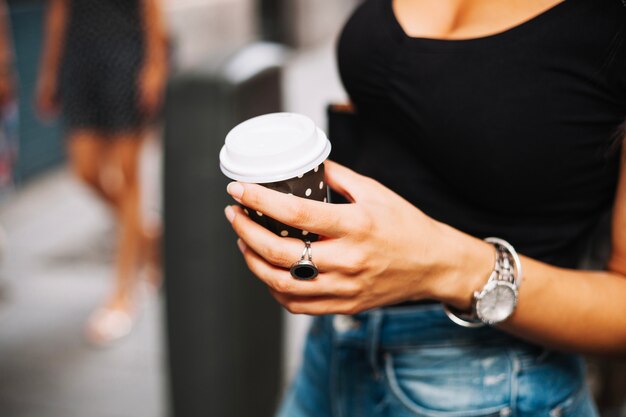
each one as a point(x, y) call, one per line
point(310, 185)
point(281, 151)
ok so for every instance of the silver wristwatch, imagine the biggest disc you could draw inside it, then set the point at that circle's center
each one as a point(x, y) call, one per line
point(497, 300)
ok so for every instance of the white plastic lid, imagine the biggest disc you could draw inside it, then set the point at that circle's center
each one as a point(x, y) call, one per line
point(273, 147)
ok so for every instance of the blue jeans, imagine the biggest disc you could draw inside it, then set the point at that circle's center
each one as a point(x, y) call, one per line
point(413, 361)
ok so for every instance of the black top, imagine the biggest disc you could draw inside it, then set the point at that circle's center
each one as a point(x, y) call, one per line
point(513, 135)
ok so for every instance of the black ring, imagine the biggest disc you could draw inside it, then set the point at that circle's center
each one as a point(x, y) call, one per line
point(305, 269)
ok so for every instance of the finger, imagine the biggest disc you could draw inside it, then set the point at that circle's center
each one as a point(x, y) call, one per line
point(331, 220)
point(280, 280)
point(317, 306)
point(345, 181)
point(280, 251)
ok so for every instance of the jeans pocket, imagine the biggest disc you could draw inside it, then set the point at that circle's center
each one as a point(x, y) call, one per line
point(553, 387)
point(579, 404)
point(451, 381)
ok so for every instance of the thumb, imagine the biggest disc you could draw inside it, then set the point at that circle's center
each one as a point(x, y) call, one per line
point(345, 181)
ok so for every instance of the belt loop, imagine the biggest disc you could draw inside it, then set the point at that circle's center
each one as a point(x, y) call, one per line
point(515, 370)
point(373, 338)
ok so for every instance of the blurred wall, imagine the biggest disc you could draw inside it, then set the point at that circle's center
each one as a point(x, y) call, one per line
point(310, 22)
point(41, 144)
point(200, 28)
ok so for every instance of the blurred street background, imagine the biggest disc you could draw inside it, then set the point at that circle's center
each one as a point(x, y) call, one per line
point(58, 240)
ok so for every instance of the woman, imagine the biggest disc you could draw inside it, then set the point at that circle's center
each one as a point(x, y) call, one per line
point(480, 118)
point(104, 63)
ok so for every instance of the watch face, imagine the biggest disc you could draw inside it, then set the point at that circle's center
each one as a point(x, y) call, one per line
point(497, 303)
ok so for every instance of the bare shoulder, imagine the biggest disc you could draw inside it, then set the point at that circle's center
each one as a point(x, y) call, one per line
point(617, 260)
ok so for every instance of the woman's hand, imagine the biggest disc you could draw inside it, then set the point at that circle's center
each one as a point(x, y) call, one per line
point(7, 86)
point(379, 250)
point(46, 95)
point(152, 79)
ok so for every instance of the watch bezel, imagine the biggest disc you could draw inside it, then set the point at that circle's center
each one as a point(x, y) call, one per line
point(489, 287)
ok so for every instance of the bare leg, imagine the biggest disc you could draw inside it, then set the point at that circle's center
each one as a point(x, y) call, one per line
point(124, 157)
point(115, 319)
point(109, 166)
point(88, 152)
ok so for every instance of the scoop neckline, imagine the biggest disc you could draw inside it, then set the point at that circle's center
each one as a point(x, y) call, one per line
point(492, 38)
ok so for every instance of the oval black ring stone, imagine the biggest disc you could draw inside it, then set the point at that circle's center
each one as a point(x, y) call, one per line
point(304, 271)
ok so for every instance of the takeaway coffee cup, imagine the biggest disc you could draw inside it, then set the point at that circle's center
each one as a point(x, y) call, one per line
point(281, 151)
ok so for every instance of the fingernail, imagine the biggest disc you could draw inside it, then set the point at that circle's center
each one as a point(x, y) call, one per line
point(230, 213)
point(235, 189)
point(242, 246)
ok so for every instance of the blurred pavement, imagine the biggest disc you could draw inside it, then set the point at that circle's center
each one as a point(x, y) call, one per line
point(57, 267)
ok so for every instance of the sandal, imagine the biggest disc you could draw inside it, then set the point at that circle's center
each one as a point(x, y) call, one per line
point(107, 326)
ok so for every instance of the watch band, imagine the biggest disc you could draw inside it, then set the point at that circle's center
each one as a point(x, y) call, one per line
point(507, 268)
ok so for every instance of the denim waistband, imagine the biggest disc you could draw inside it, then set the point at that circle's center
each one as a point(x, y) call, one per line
point(400, 327)
point(412, 360)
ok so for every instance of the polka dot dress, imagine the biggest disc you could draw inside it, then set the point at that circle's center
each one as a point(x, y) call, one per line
point(310, 185)
point(102, 59)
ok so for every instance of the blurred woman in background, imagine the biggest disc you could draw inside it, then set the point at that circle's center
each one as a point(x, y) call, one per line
point(104, 65)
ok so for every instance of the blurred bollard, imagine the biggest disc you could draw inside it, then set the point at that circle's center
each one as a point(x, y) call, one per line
point(273, 20)
point(224, 329)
